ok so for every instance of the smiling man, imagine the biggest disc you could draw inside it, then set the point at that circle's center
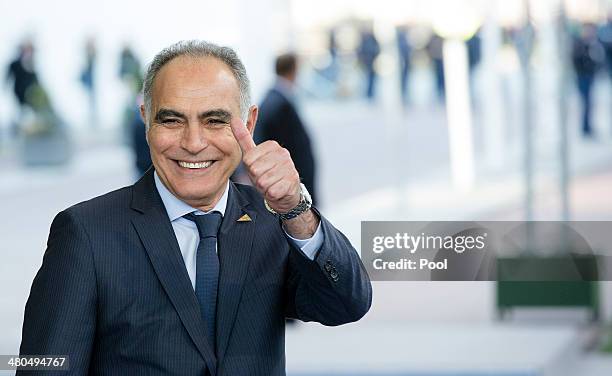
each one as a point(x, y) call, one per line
point(185, 272)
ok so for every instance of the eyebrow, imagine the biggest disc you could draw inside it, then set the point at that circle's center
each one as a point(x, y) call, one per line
point(220, 113)
point(165, 113)
point(224, 115)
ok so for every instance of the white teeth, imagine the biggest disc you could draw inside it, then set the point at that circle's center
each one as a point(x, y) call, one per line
point(195, 164)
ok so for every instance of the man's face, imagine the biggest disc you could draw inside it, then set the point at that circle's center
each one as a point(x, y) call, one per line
point(192, 145)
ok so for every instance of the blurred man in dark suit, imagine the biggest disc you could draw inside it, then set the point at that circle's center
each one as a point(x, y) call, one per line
point(279, 121)
point(21, 73)
point(184, 272)
point(367, 53)
point(587, 56)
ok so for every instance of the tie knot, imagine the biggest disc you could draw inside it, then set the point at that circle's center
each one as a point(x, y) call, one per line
point(208, 224)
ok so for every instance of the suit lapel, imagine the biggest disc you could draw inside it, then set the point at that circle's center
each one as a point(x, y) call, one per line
point(234, 247)
point(157, 235)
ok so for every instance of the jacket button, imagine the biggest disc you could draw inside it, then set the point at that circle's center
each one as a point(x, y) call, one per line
point(328, 266)
point(334, 275)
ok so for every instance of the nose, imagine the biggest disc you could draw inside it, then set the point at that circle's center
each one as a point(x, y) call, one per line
point(194, 138)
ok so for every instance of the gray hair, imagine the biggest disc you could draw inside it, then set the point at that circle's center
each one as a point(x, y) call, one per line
point(199, 48)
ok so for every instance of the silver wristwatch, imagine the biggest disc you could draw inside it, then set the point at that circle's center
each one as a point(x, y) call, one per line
point(304, 204)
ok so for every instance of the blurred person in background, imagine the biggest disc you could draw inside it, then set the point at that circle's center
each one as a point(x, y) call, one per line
point(130, 69)
point(367, 52)
point(44, 134)
point(404, 51)
point(280, 121)
point(140, 146)
point(474, 49)
point(130, 72)
point(605, 38)
point(332, 47)
point(21, 72)
point(434, 50)
point(88, 80)
point(587, 55)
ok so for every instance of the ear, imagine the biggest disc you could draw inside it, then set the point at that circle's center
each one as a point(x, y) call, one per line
point(252, 119)
point(144, 121)
point(143, 114)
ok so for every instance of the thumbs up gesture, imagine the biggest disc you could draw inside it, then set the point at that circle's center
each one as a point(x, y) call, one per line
point(270, 168)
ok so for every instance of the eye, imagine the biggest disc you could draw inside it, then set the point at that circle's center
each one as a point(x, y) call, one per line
point(216, 122)
point(170, 121)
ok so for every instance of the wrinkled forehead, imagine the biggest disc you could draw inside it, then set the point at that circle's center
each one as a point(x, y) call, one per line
point(189, 81)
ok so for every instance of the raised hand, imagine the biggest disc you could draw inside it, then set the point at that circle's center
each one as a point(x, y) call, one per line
point(270, 168)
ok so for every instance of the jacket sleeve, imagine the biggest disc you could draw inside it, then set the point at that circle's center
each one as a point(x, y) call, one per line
point(334, 288)
point(60, 314)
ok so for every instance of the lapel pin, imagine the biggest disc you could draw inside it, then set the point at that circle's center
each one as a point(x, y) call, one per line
point(244, 218)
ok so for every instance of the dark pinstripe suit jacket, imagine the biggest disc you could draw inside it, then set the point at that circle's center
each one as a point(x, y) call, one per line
point(113, 292)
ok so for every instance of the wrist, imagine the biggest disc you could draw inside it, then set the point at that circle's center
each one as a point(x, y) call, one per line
point(303, 226)
point(303, 205)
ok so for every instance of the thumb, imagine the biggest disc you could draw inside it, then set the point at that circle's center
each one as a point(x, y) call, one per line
point(242, 135)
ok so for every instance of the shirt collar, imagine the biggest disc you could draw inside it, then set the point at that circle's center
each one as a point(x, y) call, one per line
point(177, 208)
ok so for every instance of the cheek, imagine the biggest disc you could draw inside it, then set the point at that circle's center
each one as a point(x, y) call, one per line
point(227, 142)
point(160, 141)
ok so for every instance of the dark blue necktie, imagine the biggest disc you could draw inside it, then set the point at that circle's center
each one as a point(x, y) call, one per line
point(207, 268)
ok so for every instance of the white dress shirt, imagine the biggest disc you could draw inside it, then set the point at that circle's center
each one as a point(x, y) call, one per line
point(187, 235)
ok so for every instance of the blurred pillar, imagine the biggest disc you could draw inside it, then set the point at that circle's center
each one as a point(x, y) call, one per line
point(564, 80)
point(524, 44)
point(459, 113)
point(491, 101)
point(457, 21)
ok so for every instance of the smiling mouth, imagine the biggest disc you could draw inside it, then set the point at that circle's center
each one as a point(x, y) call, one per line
point(196, 165)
